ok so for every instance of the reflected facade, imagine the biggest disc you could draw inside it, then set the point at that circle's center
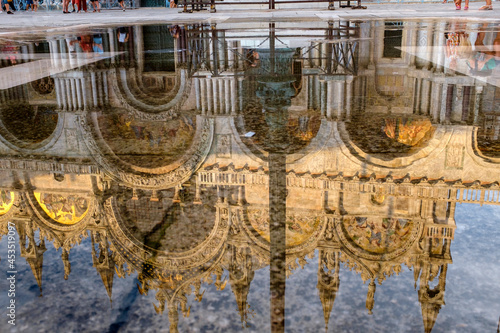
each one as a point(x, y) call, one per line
point(199, 154)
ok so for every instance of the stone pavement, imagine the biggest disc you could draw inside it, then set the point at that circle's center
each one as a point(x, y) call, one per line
point(228, 13)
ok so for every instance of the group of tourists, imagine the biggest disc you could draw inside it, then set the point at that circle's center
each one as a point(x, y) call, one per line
point(78, 6)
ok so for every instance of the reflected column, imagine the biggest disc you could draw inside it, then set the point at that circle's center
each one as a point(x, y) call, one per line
point(277, 226)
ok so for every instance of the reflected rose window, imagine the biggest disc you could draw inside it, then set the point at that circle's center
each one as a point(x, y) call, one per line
point(63, 208)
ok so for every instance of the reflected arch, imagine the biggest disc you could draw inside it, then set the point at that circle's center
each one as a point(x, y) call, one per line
point(30, 129)
point(159, 175)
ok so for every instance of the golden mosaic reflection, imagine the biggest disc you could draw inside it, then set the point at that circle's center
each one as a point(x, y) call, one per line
point(6, 201)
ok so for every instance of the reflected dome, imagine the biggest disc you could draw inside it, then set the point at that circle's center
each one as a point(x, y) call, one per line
point(27, 123)
point(396, 135)
point(163, 224)
point(147, 143)
point(63, 208)
point(298, 129)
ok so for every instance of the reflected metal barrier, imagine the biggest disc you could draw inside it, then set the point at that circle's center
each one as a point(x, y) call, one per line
point(197, 5)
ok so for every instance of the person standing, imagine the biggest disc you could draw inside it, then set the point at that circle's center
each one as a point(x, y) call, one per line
point(458, 4)
point(65, 6)
point(82, 5)
point(96, 5)
point(29, 3)
point(122, 4)
point(7, 5)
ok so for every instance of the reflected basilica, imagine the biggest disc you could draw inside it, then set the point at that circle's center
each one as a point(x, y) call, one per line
point(185, 152)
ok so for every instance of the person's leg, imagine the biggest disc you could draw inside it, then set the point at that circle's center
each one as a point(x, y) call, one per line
point(466, 5)
point(496, 47)
point(488, 6)
point(458, 4)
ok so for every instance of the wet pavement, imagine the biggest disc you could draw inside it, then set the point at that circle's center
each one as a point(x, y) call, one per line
point(246, 12)
point(334, 173)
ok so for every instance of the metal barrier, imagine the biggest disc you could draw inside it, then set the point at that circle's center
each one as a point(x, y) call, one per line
point(197, 5)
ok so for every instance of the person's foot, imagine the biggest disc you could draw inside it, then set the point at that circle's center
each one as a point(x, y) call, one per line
point(486, 7)
point(458, 7)
point(123, 9)
point(466, 8)
point(73, 11)
point(9, 12)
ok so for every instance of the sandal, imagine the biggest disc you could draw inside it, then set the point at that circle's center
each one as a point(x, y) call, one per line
point(458, 7)
point(466, 8)
point(486, 7)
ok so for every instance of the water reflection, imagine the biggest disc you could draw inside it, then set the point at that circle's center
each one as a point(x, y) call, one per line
point(198, 155)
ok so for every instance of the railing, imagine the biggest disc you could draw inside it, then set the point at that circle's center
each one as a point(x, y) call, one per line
point(479, 196)
point(197, 5)
point(443, 231)
point(427, 192)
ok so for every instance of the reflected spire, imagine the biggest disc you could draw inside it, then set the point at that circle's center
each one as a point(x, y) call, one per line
point(66, 263)
point(103, 262)
point(431, 300)
point(31, 251)
point(430, 312)
point(328, 281)
point(107, 275)
point(370, 297)
point(241, 275)
point(36, 263)
point(173, 317)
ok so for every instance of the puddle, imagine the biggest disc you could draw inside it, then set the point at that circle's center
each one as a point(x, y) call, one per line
point(333, 175)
